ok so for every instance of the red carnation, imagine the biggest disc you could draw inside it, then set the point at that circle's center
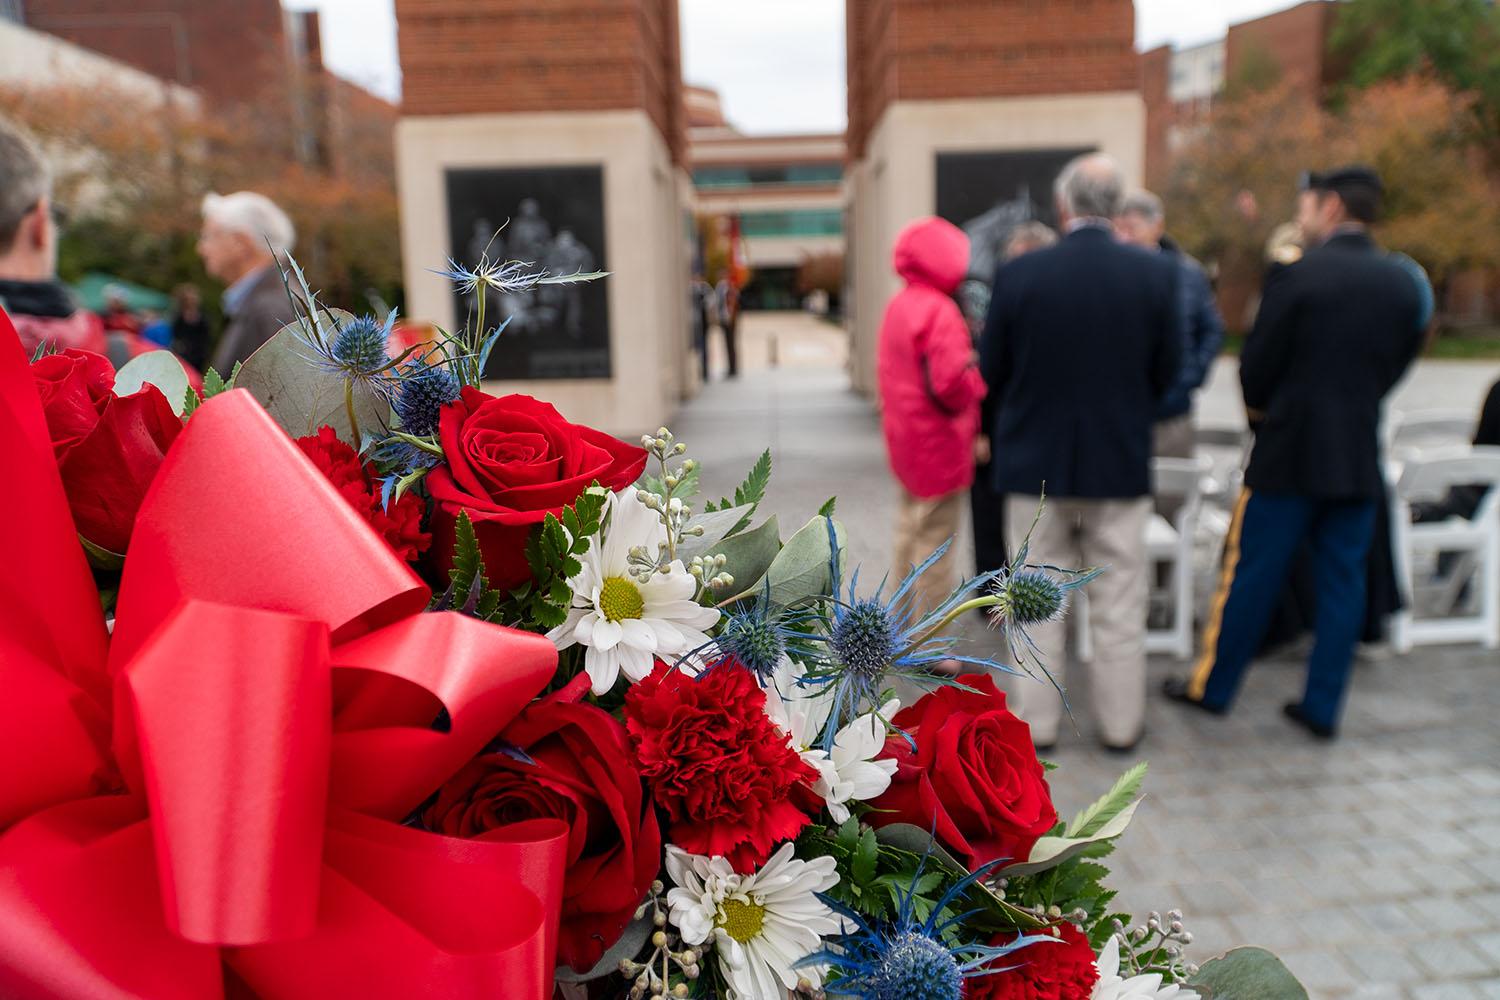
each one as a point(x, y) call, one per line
point(722, 770)
point(1058, 970)
point(400, 524)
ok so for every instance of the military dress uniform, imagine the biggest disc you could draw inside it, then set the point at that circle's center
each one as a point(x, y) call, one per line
point(1337, 329)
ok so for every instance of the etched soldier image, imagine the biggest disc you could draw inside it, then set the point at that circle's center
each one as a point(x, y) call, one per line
point(552, 223)
point(987, 195)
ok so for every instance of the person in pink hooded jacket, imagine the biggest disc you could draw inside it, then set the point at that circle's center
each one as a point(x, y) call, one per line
point(930, 389)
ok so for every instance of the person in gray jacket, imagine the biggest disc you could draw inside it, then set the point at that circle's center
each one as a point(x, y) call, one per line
point(1143, 221)
point(244, 238)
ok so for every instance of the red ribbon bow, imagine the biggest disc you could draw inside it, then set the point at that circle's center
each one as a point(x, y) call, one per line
point(208, 804)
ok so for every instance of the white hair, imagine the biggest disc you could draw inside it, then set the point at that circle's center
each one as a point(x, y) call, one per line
point(1091, 185)
point(253, 214)
point(1145, 204)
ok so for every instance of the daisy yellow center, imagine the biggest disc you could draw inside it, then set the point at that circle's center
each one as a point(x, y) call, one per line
point(742, 919)
point(620, 598)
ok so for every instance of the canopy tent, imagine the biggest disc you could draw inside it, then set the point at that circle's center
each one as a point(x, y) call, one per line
point(90, 291)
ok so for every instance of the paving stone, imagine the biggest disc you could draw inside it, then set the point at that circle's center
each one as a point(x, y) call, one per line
point(1446, 991)
point(1454, 957)
point(1320, 971)
point(1382, 965)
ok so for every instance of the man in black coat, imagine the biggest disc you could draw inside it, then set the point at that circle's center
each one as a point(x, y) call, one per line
point(1081, 342)
point(1336, 331)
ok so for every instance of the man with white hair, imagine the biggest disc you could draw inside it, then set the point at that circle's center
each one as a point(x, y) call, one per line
point(1080, 345)
point(243, 236)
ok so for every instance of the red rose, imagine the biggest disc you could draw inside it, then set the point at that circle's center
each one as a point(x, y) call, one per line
point(511, 461)
point(1063, 969)
point(399, 523)
point(108, 447)
point(974, 775)
point(723, 771)
point(582, 774)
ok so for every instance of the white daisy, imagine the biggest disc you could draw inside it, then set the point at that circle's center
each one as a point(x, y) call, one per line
point(762, 924)
point(1111, 986)
point(850, 773)
point(626, 624)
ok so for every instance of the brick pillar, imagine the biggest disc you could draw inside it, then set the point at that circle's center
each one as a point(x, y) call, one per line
point(560, 116)
point(959, 106)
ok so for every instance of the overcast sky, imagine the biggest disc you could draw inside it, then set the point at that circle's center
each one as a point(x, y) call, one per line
point(777, 64)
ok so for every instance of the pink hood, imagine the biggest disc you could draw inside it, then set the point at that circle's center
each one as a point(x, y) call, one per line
point(932, 252)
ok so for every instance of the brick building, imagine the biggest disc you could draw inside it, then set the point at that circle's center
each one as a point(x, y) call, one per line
point(236, 55)
point(226, 49)
point(967, 109)
point(564, 116)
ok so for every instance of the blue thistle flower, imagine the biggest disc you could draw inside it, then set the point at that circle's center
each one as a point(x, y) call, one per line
point(906, 958)
point(1030, 594)
point(761, 636)
point(423, 390)
point(355, 350)
point(360, 345)
point(868, 641)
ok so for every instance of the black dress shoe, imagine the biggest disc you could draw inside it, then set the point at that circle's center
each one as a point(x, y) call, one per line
point(1293, 710)
point(1122, 749)
point(1176, 688)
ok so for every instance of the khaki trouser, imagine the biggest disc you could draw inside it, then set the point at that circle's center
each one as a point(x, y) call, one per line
point(1078, 534)
point(1173, 438)
point(923, 524)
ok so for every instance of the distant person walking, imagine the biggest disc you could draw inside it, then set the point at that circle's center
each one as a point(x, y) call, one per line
point(929, 394)
point(1335, 332)
point(243, 235)
point(43, 309)
point(986, 507)
point(1143, 222)
point(1079, 348)
point(190, 326)
point(727, 303)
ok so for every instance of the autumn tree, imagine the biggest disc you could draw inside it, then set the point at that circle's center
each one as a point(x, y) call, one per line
point(132, 176)
point(1442, 205)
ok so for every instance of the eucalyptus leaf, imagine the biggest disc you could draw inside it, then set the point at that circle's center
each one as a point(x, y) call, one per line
point(715, 524)
point(1248, 974)
point(750, 553)
point(1049, 852)
point(800, 570)
point(302, 397)
point(158, 368)
point(628, 946)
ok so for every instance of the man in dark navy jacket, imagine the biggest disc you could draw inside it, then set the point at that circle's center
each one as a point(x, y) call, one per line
point(1081, 342)
point(1336, 330)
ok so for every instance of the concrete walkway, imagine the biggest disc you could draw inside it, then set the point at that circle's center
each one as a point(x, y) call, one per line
point(1372, 865)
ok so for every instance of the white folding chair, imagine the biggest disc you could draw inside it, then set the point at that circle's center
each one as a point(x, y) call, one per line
point(1410, 433)
point(1226, 446)
point(1170, 544)
point(1476, 541)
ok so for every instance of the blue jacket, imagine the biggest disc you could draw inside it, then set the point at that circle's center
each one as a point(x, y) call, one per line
point(1202, 332)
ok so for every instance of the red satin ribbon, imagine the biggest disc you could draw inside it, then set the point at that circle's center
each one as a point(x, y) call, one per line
point(208, 804)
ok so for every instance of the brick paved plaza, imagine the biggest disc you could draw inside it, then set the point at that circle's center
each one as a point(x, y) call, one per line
point(1372, 865)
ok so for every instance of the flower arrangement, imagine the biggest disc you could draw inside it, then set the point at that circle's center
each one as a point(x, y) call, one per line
point(416, 690)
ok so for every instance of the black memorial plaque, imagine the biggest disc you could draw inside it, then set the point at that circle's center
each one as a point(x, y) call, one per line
point(555, 222)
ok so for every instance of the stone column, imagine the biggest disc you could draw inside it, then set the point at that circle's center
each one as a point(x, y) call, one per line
point(964, 106)
point(564, 118)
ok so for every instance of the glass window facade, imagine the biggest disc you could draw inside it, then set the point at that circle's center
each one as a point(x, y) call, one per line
point(771, 175)
point(800, 222)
